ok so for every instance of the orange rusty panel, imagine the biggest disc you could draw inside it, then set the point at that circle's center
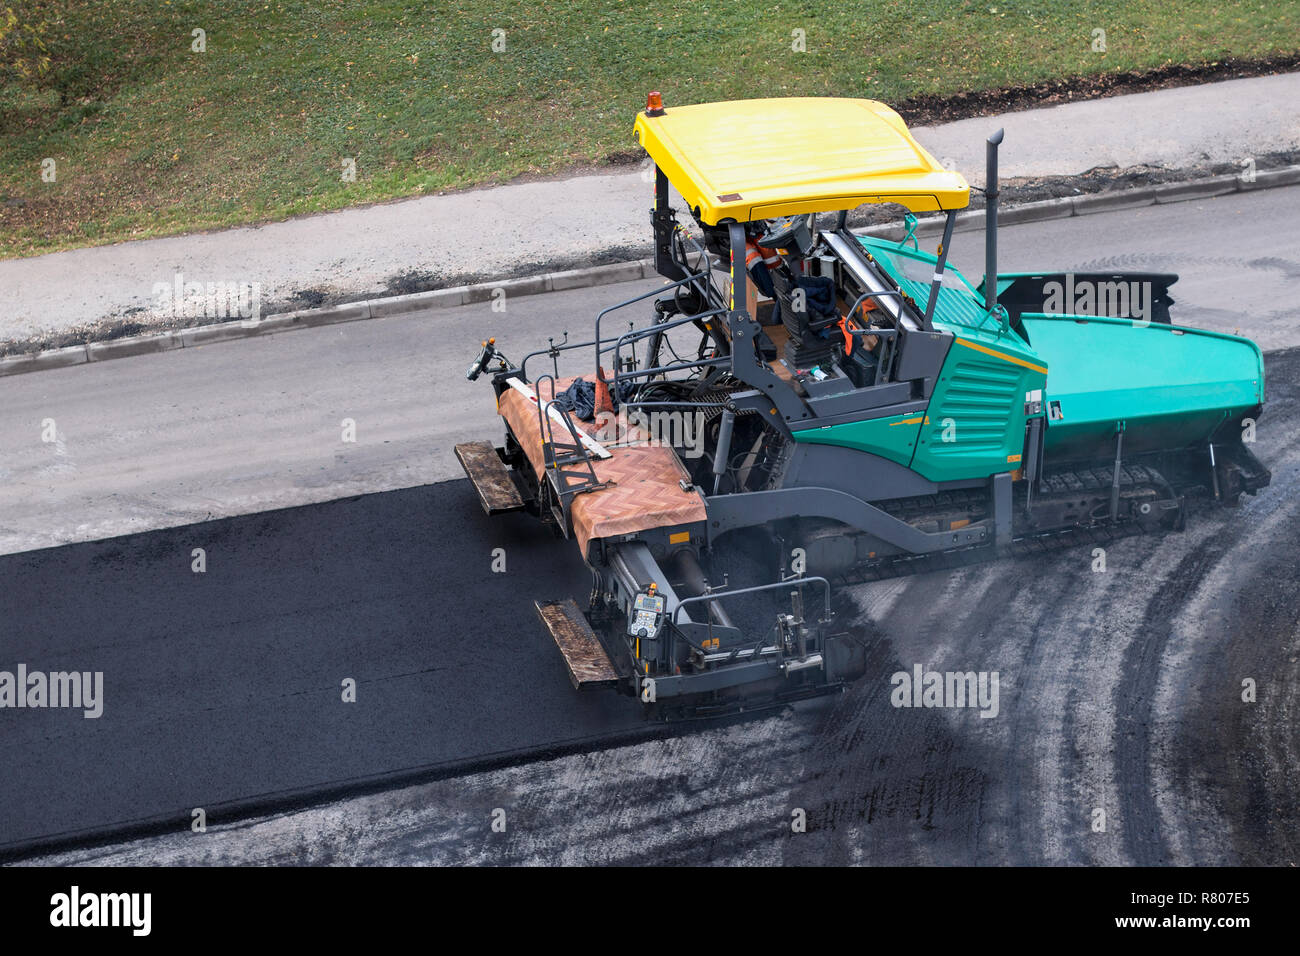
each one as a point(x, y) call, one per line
point(645, 493)
point(644, 490)
point(521, 415)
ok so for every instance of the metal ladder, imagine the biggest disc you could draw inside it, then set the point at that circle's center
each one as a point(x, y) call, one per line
point(567, 463)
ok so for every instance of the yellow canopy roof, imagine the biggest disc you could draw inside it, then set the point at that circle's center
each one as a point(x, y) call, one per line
point(758, 159)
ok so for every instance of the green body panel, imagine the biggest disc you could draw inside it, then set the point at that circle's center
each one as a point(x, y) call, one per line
point(976, 420)
point(975, 425)
point(1170, 386)
point(893, 438)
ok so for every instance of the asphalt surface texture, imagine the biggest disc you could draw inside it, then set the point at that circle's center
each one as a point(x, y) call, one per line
point(1121, 737)
point(225, 687)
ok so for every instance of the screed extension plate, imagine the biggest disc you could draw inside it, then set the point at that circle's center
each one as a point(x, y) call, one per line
point(488, 474)
point(589, 666)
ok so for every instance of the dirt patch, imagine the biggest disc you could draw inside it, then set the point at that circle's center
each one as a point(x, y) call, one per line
point(406, 283)
point(923, 110)
point(931, 109)
point(1099, 179)
point(308, 298)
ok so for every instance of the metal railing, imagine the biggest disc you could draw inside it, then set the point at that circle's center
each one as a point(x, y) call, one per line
point(645, 295)
point(736, 592)
point(554, 350)
point(888, 336)
point(676, 633)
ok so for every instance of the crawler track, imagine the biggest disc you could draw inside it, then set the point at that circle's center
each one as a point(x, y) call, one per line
point(1028, 545)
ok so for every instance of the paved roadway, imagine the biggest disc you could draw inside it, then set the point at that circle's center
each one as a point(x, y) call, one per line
point(224, 687)
point(168, 439)
point(1119, 690)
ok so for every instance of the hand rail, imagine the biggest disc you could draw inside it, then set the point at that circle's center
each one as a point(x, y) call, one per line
point(635, 335)
point(523, 365)
point(889, 335)
point(545, 423)
point(886, 354)
point(872, 295)
point(543, 413)
point(644, 295)
point(797, 582)
point(597, 342)
point(659, 328)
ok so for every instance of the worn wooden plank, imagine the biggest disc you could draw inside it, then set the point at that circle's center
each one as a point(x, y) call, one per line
point(489, 477)
point(584, 656)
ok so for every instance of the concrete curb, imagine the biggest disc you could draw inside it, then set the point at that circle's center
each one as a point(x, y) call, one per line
point(1063, 208)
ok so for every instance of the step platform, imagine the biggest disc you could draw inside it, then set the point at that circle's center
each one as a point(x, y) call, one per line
point(490, 477)
point(589, 666)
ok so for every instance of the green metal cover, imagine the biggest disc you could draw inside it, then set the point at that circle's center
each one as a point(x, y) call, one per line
point(893, 438)
point(1170, 385)
point(975, 424)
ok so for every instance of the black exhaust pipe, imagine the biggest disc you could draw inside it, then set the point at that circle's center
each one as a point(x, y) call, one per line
point(991, 221)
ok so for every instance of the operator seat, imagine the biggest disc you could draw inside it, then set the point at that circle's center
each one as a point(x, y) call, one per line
point(806, 304)
point(813, 334)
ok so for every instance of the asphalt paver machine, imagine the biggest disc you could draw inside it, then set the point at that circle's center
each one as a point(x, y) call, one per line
point(869, 411)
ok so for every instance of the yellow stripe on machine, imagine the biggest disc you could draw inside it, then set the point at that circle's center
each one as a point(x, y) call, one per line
point(1013, 359)
point(679, 537)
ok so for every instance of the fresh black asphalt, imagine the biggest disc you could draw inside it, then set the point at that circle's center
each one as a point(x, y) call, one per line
point(225, 687)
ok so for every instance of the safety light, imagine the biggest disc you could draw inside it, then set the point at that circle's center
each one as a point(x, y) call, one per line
point(654, 104)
